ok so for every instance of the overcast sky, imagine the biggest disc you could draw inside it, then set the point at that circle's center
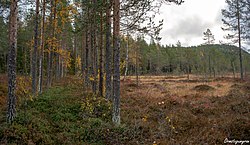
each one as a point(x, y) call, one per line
point(188, 21)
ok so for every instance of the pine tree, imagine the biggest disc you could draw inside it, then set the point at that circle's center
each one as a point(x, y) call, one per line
point(40, 78)
point(108, 54)
point(34, 56)
point(116, 83)
point(101, 52)
point(209, 38)
point(11, 113)
point(233, 17)
point(247, 20)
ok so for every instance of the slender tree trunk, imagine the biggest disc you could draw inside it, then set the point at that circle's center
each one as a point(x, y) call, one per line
point(233, 67)
point(75, 55)
point(87, 58)
point(40, 81)
point(83, 53)
point(126, 66)
point(188, 72)
point(48, 67)
point(158, 60)
point(96, 61)
point(108, 69)
point(239, 36)
point(209, 65)
point(57, 64)
point(34, 56)
point(136, 67)
point(87, 50)
point(25, 61)
point(92, 47)
point(11, 113)
point(116, 100)
point(95, 49)
point(54, 54)
point(101, 55)
point(31, 67)
point(62, 60)
point(214, 71)
point(51, 53)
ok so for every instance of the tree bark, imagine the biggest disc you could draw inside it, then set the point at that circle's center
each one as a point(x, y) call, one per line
point(87, 50)
point(116, 99)
point(40, 81)
point(137, 66)
point(83, 52)
point(101, 55)
point(34, 56)
point(126, 66)
point(239, 37)
point(51, 53)
point(95, 49)
point(108, 60)
point(11, 113)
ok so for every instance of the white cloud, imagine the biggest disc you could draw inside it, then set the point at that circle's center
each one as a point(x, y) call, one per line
point(188, 21)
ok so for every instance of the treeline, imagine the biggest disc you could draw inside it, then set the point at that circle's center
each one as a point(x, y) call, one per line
point(148, 59)
point(211, 60)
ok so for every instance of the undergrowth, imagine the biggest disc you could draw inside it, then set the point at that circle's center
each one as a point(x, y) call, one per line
point(66, 115)
point(62, 116)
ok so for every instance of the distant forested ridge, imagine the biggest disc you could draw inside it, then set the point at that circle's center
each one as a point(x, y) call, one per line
point(208, 59)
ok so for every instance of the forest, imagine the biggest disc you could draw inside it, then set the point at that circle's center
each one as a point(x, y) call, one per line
point(99, 72)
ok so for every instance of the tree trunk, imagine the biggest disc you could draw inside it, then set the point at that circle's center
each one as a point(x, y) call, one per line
point(11, 113)
point(83, 52)
point(158, 60)
point(239, 35)
point(101, 55)
point(126, 66)
point(108, 69)
point(116, 83)
point(136, 67)
point(87, 50)
point(188, 71)
point(214, 71)
point(209, 65)
point(34, 56)
point(75, 55)
point(92, 48)
point(233, 67)
point(95, 49)
point(51, 53)
point(25, 61)
point(40, 81)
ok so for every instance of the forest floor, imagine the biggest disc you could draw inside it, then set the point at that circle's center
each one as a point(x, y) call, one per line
point(161, 110)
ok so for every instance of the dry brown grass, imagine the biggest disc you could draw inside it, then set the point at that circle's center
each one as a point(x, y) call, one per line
point(176, 113)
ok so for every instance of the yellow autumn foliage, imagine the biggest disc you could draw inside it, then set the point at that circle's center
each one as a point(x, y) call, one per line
point(23, 88)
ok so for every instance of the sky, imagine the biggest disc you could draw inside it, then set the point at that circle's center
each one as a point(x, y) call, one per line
point(188, 21)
